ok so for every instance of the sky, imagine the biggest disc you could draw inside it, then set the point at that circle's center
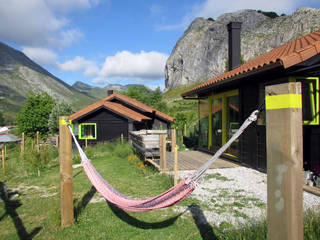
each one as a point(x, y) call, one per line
point(102, 42)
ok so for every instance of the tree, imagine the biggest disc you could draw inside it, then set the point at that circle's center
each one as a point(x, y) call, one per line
point(1, 119)
point(34, 114)
point(60, 109)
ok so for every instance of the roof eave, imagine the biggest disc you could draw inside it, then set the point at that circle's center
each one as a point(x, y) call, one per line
point(268, 67)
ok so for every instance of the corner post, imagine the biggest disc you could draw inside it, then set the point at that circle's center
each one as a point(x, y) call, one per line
point(173, 139)
point(163, 157)
point(284, 161)
point(66, 190)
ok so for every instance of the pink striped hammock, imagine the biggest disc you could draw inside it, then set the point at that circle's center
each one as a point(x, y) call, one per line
point(170, 197)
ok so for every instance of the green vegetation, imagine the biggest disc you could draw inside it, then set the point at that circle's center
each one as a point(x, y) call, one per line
point(59, 109)
point(34, 211)
point(34, 114)
point(1, 119)
point(269, 14)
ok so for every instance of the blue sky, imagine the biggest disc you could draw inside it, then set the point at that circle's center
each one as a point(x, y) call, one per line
point(107, 41)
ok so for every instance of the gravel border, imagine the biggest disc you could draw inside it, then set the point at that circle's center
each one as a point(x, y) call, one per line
point(235, 196)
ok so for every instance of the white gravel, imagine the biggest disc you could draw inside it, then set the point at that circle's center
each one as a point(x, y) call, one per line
point(235, 196)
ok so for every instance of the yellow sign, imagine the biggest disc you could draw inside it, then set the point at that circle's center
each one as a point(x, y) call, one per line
point(63, 122)
point(283, 101)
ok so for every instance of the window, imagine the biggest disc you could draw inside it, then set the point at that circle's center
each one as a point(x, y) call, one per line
point(310, 99)
point(88, 131)
point(203, 123)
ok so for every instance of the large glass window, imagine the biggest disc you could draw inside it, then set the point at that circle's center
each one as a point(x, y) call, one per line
point(310, 100)
point(88, 131)
point(224, 121)
point(203, 123)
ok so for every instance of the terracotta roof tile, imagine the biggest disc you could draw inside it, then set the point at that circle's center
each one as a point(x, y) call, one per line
point(112, 106)
point(106, 102)
point(139, 105)
point(287, 55)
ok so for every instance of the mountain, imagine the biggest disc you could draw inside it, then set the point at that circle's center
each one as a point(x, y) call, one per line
point(19, 75)
point(97, 91)
point(201, 53)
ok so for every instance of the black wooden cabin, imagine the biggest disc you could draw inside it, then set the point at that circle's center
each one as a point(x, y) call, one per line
point(116, 115)
point(227, 100)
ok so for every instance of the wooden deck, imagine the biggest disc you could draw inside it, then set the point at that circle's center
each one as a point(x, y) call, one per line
point(191, 160)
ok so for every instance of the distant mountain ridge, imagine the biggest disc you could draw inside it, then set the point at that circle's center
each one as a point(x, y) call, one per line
point(19, 75)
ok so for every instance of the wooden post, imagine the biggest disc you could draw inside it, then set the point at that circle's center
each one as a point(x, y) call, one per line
point(185, 130)
point(86, 143)
point(5, 152)
point(66, 191)
point(37, 140)
point(175, 165)
point(163, 157)
point(22, 144)
point(284, 161)
point(173, 139)
point(3, 167)
point(121, 136)
point(57, 141)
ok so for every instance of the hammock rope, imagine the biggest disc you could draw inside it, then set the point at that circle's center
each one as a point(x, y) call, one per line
point(170, 197)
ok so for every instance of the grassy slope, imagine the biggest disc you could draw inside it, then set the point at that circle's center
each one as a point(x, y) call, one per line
point(32, 212)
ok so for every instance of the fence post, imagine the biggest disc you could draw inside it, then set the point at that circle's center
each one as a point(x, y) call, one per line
point(37, 140)
point(173, 139)
point(121, 136)
point(175, 165)
point(163, 157)
point(66, 191)
point(3, 167)
point(185, 130)
point(22, 144)
point(284, 161)
point(57, 141)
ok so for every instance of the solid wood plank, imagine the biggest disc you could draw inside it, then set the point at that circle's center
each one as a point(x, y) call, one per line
point(163, 159)
point(173, 139)
point(284, 167)
point(66, 189)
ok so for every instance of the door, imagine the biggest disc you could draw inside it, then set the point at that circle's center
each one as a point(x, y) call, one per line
point(224, 121)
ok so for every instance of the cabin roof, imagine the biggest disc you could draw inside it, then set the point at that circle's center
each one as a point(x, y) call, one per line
point(120, 109)
point(287, 55)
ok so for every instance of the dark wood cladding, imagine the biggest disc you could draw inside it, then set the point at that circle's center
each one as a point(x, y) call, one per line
point(109, 125)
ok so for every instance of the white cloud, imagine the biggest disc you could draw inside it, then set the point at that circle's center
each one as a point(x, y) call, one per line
point(41, 23)
point(42, 56)
point(71, 5)
point(214, 8)
point(80, 64)
point(143, 65)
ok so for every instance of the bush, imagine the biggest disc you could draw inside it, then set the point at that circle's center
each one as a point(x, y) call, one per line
point(36, 159)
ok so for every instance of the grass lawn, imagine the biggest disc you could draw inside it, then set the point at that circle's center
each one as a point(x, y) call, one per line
point(34, 213)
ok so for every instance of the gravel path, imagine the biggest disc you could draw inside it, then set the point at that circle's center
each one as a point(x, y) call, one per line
point(234, 196)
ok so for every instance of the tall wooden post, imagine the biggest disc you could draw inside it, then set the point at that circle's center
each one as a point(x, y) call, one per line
point(57, 141)
point(3, 167)
point(175, 165)
point(185, 130)
point(173, 139)
point(284, 161)
point(66, 191)
point(163, 155)
point(121, 136)
point(37, 140)
point(22, 144)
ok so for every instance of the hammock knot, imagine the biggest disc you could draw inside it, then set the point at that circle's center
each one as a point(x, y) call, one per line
point(254, 116)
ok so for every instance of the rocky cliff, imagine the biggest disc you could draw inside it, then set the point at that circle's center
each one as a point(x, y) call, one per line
point(201, 53)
